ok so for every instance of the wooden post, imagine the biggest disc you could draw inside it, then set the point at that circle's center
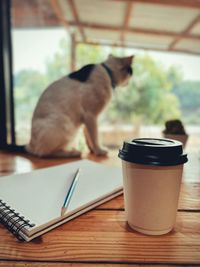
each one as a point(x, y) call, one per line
point(73, 52)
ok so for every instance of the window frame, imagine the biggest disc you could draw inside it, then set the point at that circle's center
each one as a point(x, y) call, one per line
point(7, 116)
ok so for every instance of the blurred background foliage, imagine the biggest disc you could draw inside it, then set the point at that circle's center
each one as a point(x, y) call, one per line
point(154, 94)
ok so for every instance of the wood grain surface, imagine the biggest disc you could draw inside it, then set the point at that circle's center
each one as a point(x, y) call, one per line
point(102, 237)
point(58, 264)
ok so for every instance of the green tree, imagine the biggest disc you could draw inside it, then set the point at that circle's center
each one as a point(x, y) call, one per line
point(89, 54)
point(188, 93)
point(147, 96)
point(59, 64)
point(28, 86)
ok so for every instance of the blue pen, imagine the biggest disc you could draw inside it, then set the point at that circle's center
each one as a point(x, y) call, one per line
point(70, 192)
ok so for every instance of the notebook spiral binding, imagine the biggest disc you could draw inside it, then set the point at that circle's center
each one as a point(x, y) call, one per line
point(13, 221)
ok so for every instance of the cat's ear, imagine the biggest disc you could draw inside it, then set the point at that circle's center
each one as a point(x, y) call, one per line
point(129, 59)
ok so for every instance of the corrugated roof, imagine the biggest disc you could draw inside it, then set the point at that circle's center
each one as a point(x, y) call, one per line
point(164, 25)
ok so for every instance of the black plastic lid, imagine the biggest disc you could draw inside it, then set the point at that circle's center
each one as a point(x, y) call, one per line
point(150, 151)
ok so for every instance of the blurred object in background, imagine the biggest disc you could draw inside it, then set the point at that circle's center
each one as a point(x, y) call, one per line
point(174, 129)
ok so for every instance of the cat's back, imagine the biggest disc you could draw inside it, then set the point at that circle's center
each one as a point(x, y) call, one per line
point(59, 89)
point(83, 79)
point(72, 81)
point(88, 82)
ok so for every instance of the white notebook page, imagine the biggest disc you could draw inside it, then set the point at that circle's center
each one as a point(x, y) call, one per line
point(39, 195)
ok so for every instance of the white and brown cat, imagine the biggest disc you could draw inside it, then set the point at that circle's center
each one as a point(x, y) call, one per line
point(73, 101)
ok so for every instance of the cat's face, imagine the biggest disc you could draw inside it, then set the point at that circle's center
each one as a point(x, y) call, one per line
point(121, 68)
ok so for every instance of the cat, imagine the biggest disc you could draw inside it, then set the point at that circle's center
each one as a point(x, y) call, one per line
point(73, 101)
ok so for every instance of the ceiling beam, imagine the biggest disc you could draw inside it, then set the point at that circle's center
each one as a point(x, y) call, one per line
point(77, 20)
point(183, 51)
point(57, 9)
point(135, 30)
point(127, 15)
point(186, 31)
point(192, 24)
point(178, 3)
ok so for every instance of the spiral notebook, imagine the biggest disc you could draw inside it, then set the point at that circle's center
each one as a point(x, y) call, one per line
point(30, 203)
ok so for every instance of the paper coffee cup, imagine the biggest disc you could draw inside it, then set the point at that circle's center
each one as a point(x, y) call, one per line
point(152, 173)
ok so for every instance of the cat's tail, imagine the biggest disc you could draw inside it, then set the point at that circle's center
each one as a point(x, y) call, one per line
point(25, 149)
point(16, 148)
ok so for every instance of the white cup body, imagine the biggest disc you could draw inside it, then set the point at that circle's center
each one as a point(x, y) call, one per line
point(151, 196)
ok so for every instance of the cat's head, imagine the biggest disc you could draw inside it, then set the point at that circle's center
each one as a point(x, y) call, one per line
point(121, 68)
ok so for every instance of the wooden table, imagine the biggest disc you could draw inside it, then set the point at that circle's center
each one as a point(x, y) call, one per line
point(101, 237)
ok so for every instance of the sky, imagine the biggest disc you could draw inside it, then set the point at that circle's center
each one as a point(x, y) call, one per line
point(32, 48)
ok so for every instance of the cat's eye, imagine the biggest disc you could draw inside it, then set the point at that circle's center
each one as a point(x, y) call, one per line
point(129, 70)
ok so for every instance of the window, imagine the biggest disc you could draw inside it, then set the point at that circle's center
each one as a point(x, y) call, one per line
point(7, 134)
point(36, 50)
point(36, 35)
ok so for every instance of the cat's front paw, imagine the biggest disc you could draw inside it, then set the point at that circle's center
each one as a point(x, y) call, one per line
point(100, 151)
